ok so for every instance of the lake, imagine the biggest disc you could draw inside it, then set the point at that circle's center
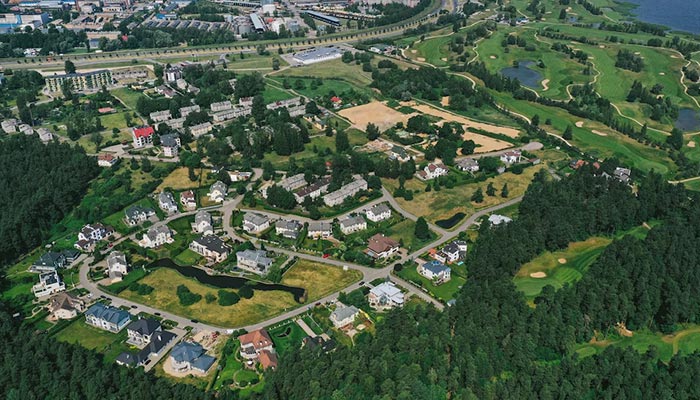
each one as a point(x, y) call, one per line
point(680, 15)
point(688, 119)
point(526, 75)
point(226, 281)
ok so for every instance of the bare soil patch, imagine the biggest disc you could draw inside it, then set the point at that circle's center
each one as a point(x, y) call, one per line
point(445, 101)
point(421, 59)
point(375, 112)
point(562, 261)
point(691, 144)
point(492, 57)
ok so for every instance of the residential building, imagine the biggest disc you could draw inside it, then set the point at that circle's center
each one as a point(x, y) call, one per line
point(468, 165)
point(91, 234)
point(253, 343)
point(201, 129)
point(158, 342)
point(49, 283)
point(211, 247)
point(385, 296)
point(268, 360)
point(108, 318)
point(166, 202)
point(293, 182)
point(156, 236)
point(399, 153)
point(432, 171)
point(136, 215)
point(495, 219)
point(378, 213)
point(344, 316)
point(225, 115)
point(380, 246)
point(142, 136)
point(319, 229)
point(65, 306)
point(49, 262)
point(313, 190)
point(172, 74)
point(80, 81)
point(160, 116)
point(185, 111)
point(217, 192)
point(255, 261)
point(170, 144)
point(325, 345)
point(45, 135)
point(255, 223)
point(190, 357)
point(353, 224)
point(188, 200)
point(511, 156)
point(203, 223)
point(9, 125)
point(221, 106)
point(289, 229)
point(106, 160)
point(339, 196)
point(240, 176)
point(623, 175)
point(117, 266)
point(435, 271)
point(140, 331)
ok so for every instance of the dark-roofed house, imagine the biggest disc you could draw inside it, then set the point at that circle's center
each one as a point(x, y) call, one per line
point(106, 317)
point(211, 247)
point(166, 202)
point(623, 175)
point(255, 223)
point(135, 215)
point(319, 342)
point(289, 229)
point(65, 306)
point(436, 271)
point(48, 262)
point(159, 340)
point(399, 153)
point(190, 357)
point(49, 283)
point(380, 246)
point(92, 233)
point(141, 330)
point(170, 144)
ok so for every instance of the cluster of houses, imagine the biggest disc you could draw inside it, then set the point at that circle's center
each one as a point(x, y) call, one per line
point(90, 234)
point(297, 185)
point(432, 171)
point(437, 269)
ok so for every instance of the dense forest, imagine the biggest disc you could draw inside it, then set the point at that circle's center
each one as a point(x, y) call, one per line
point(42, 184)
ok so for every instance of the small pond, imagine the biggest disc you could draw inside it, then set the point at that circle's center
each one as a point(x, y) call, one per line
point(450, 222)
point(688, 119)
point(526, 75)
point(227, 282)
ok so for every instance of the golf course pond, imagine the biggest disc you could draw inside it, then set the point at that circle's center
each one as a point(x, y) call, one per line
point(688, 119)
point(525, 74)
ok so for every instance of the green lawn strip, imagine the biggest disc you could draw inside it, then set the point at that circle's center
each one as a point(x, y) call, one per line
point(108, 343)
point(444, 292)
point(287, 337)
point(133, 276)
point(272, 94)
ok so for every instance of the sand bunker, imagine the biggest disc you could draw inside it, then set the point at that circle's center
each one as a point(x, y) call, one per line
point(662, 73)
point(579, 124)
point(674, 56)
point(444, 59)
point(545, 84)
point(691, 144)
point(601, 46)
point(492, 57)
point(562, 261)
point(445, 101)
point(375, 112)
point(421, 59)
point(599, 133)
point(637, 53)
point(414, 51)
point(538, 275)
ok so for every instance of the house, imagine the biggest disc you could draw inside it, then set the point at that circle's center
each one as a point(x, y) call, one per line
point(289, 229)
point(65, 306)
point(140, 331)
point(339, 196)
point(319, 229)
point(45, 135)
point(293, 182)
point(255, 261)
point(623, 175)
point(135, 215)
point(188, 200)
point(325, 344)
point(239, 176)
point(203, 223)
point(156, 236)
point(432, 171)
point(452, 252)
point(158, 342)
point(185, 111)
point(255, 223)
point(353, 224)
point(218, 192)
point(268, 360)
point(399, 153)
point(344, 316)
point(468, 165)
point(160, 116)
point(385, 296)
point(49, 283)
point(435, 271)
point(117, 266)
point(108, 318)
point(91, 234)
point(511, 156)
point(9, 125)
point(142, 136)
point(106, 160)
point(172, 74)
point(48, 262)
point(380, 212)
point(313, 190)
point(201, 129)
point(170, 144)
point(495, 219)
point(190, 357)
point(166, 202)
point(253, 343)
point(380, 246)
point(211, 247)
point(221, 106)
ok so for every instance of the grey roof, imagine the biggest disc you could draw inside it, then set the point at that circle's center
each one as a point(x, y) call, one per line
point(107, 313)
point(169, 140)
point(451, 247)
point(317, 226)
point(400, 151)
point(467, 162)
point(257, 256)
point(219, 186)
point(192, 353)
point(134, 211)
point(155, 230)
point(50, 259)
point(167, 197)
point(144, 326)
point(213, 243)
point(352, 221)
point(202, 216)
point(436, 267)
point(342, 313)
point(380, 209)
point(116, 257)
point(255, 219)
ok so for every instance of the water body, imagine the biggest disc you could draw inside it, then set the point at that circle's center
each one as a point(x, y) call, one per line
point(450, 222)
point(526, 75)
point(227, 282)
point(680, 15)
point(688, 119)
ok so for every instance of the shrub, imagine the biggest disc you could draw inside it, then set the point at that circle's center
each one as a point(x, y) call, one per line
point(187, 298)
point(227, 298)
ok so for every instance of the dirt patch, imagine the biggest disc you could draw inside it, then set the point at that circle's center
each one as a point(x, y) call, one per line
point(599, 133)
point(445, 101)
point(545, 84)
point(538, 275)
point(579, 124)
point(622, 330)
point(691, 144)
point(375, 112)
point(562, 261)
point(414, 51)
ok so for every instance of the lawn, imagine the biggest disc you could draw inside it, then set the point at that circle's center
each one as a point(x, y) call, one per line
point(272, 94)
point(107, 343)
point(435, 51)
point(133, 276)
point(188, 257)
point(127, 96)
point(335, 69)
point(319, 279)
point(287, 337)
point(179, 179)
point(444, 292)
point(336, 86)
point(403, 231)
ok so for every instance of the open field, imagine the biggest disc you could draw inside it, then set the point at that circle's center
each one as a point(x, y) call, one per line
point(179, 180)
point(444, 292)
point(375, 112)
point(435, 51)
point(468, 123)
point(287, 337)
point(127, 96)
point(335, 69)
point(319, 279)
point(107, 343)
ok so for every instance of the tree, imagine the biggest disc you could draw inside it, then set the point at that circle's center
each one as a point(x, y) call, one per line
point(312, 108)
point(478, 196)
point(468, 147)
point(275, 64)
point(562, 14)
point(228, 298)
point(258, 109)
point(490, 189)
point(69, 67)
point(535, 120)
point(504, 191)
point(246, 292)
point(676, 139)
point(372, 131)
point(568, 133)
point(342, 143)
point(421, 230)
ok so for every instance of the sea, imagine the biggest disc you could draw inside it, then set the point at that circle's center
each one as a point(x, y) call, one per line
point(680, 15)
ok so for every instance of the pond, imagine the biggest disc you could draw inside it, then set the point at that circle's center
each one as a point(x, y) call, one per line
point(226, 281)
point(526, 75)
point(450, 222)
point(688, 119)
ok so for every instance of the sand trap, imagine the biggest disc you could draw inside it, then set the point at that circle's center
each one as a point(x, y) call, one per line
point(674, 56)
point(445, 101)
point(492, 57)
point(568, 9)
point(662, 73)
point(538, 275)
point(421, 59)
point(375, 112)
point(579, 124)
point(599, 133)
point(601, 46)
point(636, 53)
point(622, 330)
point(691, 144)
point(414, 51)
point(444, 59)
point(562, 261)
point(545, 84)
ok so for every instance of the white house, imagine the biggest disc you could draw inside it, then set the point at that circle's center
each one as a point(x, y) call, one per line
point(221, 106)
point(255, 223)
point(91, 234)
point(140, 331)
point(255, 261)
point(188, 200)
point(65, 306)
point(353, 224)
point(217, 192)
point(432, 171)
point(160, 116)
point(108, 318)
point(468, 165)
point(385, 296)
point(190, 357)
point(201, 129)
point(319, 229)
point(185, 111)
point(203, 223)
point(170, 144)
point(289, 229)
point(378, 213)
point(142, 136)
point(106, 160)
point(338, 197)
point(117, 266)
point(49, 283)
point(511, 156)
point(344, 316)
point(496, 219)
point(435, 271)
point(211, 247)
point(240, 176)
point(135, 215)
point(167, 203)
point(156, 236)
point(380, 246)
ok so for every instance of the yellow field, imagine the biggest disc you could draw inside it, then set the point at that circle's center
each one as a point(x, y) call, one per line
point(319, 279)
point(375, 112)
point(179, 179)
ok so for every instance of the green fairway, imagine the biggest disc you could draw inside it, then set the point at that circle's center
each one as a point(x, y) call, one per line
point(435, 51)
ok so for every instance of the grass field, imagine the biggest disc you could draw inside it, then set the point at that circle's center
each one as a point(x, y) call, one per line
point(287, 337)
point(272, 94)
point(107, 343)
point(319, 279)
point(179, 180)
point(127, 96)
point(335, 69)
point(329, 85)
point(444, 292)
point(435, 51)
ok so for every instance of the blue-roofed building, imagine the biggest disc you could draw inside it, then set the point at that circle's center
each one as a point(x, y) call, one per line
point(107, 318)
point(190, 357)
point(435, 271)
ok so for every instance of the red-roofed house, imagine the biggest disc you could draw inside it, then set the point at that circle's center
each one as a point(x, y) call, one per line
point(142, 136)
point(106, 160)
point(268, 360)
point(253, 343)
point(337, 101)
